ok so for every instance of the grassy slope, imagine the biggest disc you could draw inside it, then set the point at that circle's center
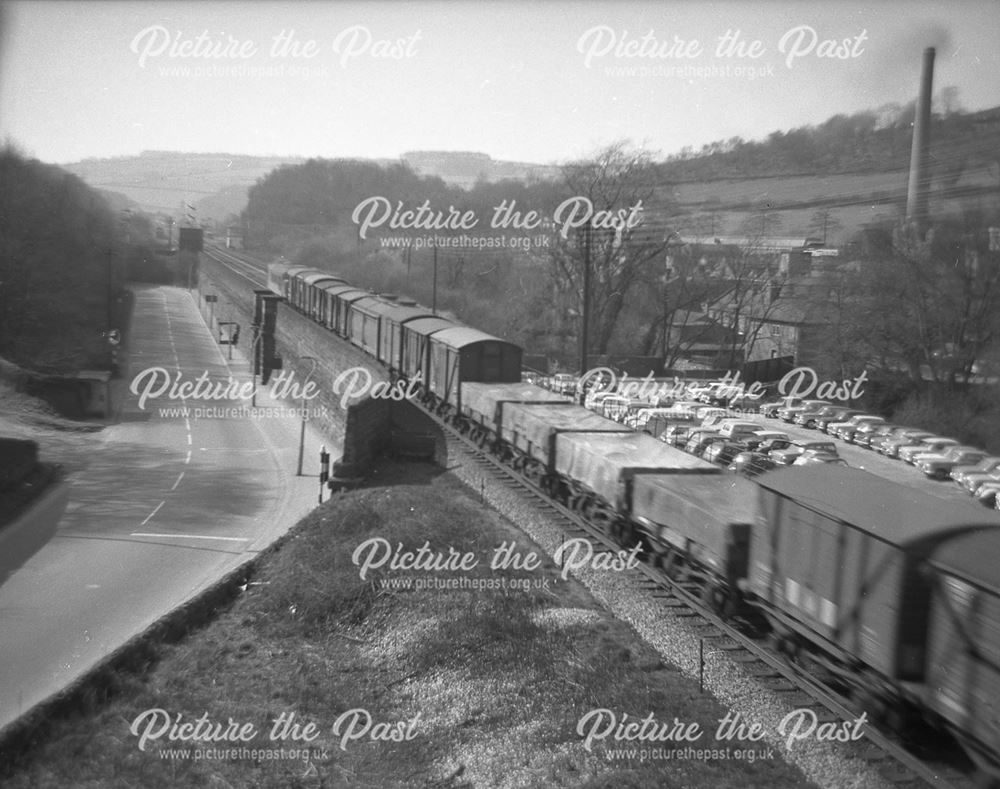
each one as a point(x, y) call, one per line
point(498, 679)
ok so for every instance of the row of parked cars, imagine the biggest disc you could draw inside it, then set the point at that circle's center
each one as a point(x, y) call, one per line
point(704, 428)
point(712, 433)
point(937, 457)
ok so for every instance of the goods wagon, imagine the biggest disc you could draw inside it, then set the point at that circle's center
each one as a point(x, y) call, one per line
point(417, 345)
point(529, 429)
point(461, 354)
point(394, 317)
point(837, 563)
point(605, 464)
point(364, 323)
point(963, 666)
point(295, 289)
point(341, 297)
point(312, 293)
point(698, 527)
point(483, 405)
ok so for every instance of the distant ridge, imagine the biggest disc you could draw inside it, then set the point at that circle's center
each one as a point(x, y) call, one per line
point(464, 168)
point(216, 184)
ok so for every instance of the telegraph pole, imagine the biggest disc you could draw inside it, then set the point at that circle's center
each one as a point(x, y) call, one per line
point(434, 295)
point(585, 312)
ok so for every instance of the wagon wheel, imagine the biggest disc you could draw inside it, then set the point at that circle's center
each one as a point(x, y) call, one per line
point(785, 644)
point(670, 565)
point(871, 702)
point(562, 493)
point(630, 536)
point(533, 471)
point(602, 519)
point(549, 484)
point(719, 598)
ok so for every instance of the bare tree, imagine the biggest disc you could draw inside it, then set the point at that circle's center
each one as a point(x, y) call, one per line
point(616, 180)
point(931, 306)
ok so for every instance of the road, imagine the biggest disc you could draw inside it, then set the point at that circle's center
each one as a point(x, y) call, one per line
point(161, 504)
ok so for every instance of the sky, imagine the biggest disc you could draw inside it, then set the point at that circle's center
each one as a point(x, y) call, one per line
point(536, 81)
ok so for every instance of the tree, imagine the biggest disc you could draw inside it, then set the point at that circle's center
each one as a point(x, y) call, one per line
point(618, 180)
point(929, 304)
point(823, 222)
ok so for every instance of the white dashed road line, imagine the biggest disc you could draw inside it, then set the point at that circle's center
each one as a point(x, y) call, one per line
point(191, 537)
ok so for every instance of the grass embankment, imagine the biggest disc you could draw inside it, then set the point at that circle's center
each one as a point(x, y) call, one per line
point(479, 687)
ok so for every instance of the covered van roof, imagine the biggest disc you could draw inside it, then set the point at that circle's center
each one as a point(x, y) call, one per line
point(318, 276)
point(462, 336)
point(426, 326)
point(894, 513)
point(972, 557)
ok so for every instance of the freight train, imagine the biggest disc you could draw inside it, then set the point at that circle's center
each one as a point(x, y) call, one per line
point(891, 590)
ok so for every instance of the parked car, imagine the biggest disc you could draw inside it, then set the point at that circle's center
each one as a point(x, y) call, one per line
point(748, 404)
point(710, 392)
point(770, 408)
point(676, 435)
point(931, 445)
point(563, 383)
point(751, 463)
point(723, 452)
point(651, 420)
point(594, 400)
point(811, 416)
point(845, 430)
point(708, 443)
point(702, 412)
point(891, 447)
point(681, 410)
point(786, 456)
point(940, 466)
point(840, 415)
point(985, 466)
point(974, 482)
point(760, 436)
point(789, 414)
point(811, 456)
point(699, 439)
point(736, 430)
point(714, 417)
point(865, 431)
point(774, 443)
point(986, 493)
point(877, 434)
point(615, 407)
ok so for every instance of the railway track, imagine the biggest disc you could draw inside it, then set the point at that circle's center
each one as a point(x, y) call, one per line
point(252, 271)
point(786, 679)
point(768, 667)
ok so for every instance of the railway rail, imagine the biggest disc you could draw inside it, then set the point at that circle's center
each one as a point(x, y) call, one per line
point(892, 759)
point(252, 271)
